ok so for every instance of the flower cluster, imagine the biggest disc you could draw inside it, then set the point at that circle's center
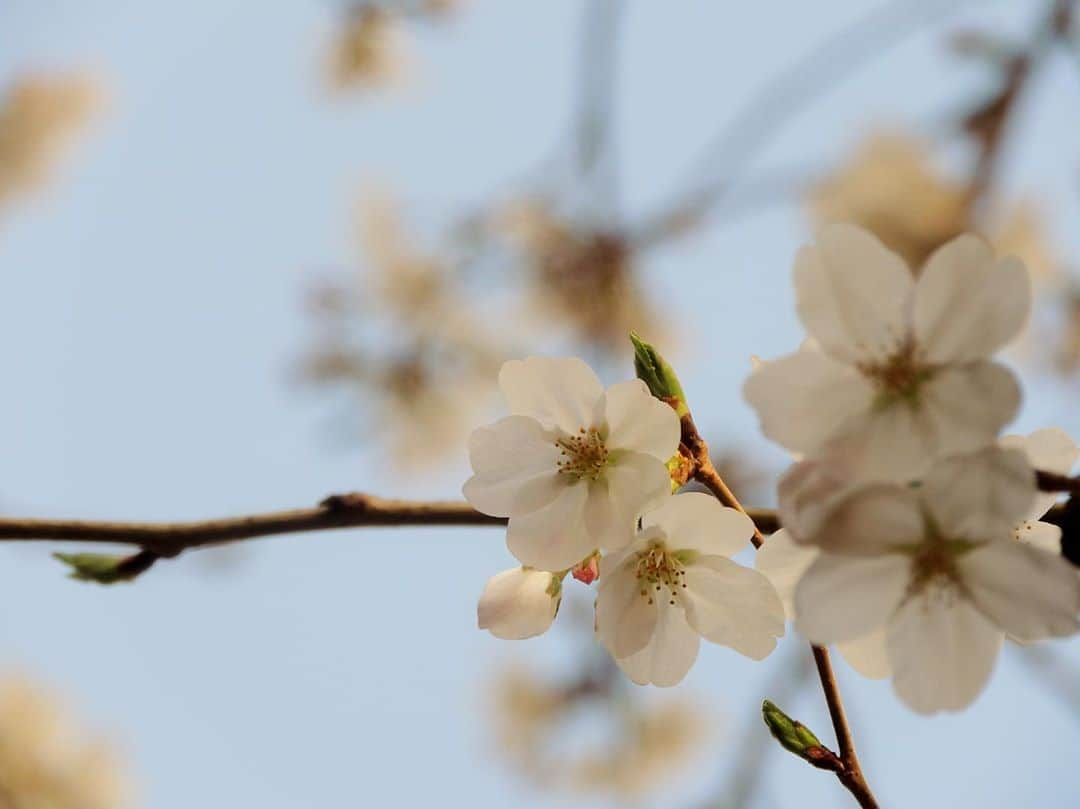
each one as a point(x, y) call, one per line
point(582, 474)
point(900, 521)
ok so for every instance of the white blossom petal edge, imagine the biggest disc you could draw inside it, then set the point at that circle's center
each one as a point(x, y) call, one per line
point(575, 465)
point(675, 583)
point(519, 603)
point(783, 562)
point(900, 371)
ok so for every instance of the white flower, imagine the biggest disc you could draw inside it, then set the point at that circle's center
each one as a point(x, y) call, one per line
point(676, 582)
point(937, 567)
point(575, 465)
point(519, 603)
point(1051, 450)
point(784, 561)
point(899, 373)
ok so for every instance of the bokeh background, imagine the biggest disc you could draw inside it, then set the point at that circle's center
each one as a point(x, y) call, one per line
point(255, 253)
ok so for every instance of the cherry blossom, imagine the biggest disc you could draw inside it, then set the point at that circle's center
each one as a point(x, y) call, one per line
point(676, 582)
point(1051, 450)
point(936, 567)
point(519, 603)
point(898, 373)
point(574, 466)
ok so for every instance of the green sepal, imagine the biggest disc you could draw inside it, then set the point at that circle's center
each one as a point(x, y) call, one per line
point(102, 568)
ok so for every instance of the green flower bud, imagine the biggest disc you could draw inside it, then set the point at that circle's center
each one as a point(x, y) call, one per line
point(654, 371)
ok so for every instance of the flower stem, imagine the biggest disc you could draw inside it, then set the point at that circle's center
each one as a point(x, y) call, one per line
point(847, 770)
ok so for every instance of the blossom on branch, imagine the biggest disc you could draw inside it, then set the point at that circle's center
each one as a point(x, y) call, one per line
point(574, 466)
point(519, 603)
point(676, 583)
point(937, 568)
point(899, 373)
point(1051, 450)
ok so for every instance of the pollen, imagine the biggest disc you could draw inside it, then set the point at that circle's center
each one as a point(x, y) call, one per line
point(658, 570)
point(583, 455)
point(899, 377)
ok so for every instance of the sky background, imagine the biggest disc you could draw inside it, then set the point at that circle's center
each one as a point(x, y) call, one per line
point(152, 317)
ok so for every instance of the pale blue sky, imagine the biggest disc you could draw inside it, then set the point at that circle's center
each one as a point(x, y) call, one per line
point(152, 311)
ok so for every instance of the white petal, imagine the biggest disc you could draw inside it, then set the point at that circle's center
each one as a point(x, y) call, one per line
point(959, 409)
point(515, 465)
point(639, 421)
point(518, 603)
point(965, 407)
point(868, 655)
point(1051, 450)
point(783, 562)
point(891, 442)
point(968, 305)
point(554, 537)
point(698, 522)
point(1042, 535)
point(871, 520)
point(668, 656)
point(804, 399)
point(852, 294)
point(980, 495)
point(942, 651)
point(625, 620)
point(635, 483)
point(734, 606)
point(841, 598)
point(559, 392)
point(1025, 591)
point(810, 489)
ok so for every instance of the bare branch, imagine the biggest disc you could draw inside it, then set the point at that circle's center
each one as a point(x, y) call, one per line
point(846, 765)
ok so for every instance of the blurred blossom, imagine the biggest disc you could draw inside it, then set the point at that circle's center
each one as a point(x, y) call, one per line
point(405, 338)
point(650, 741)
point(46, 761)
point(659, 741)
point(892, 187)
point(40, 115)
point(582, 276)
point(367, 51)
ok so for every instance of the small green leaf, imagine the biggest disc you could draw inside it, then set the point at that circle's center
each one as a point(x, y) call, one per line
point(105, 569)
point(652, 369)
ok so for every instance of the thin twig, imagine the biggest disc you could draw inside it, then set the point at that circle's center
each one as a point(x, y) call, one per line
point(595, 157)
point(835, 58)
point(355, 510)
point(846, 765)
point(990, 123)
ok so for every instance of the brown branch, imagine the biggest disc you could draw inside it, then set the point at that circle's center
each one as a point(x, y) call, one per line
point(990, 122)
point(1055, 482)
point(355, 510)
point(169, 539)
point(846, 764)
